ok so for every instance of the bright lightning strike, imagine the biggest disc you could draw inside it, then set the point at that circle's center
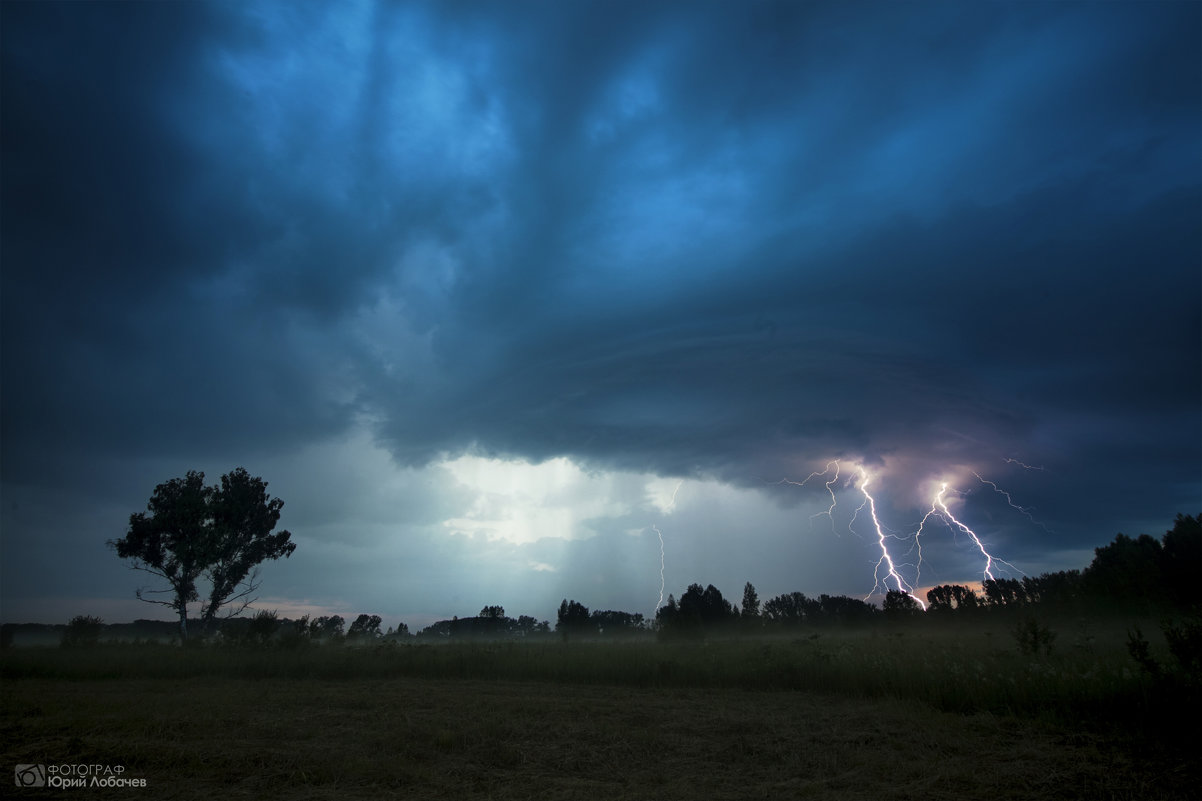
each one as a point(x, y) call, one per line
point(886, 559)
point(888, 574)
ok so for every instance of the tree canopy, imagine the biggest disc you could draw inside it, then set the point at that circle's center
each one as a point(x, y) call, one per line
point(219, 535)
point(697, 611)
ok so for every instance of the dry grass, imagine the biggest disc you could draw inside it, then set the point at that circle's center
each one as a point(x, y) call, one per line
point(426, 738)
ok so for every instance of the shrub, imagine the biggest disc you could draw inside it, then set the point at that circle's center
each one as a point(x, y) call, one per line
point(263, 627)
point(1033, 637)
point(1137, 646)
point(83, 631)
point(1185, 644)
point(295, 634)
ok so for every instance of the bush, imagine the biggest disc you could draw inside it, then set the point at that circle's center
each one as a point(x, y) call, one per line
point(1185, 644)
point(83, 631)
point(1033, 637)
point(263, 627)
point(1138, 648)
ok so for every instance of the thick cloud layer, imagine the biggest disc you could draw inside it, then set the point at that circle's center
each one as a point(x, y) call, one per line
point(726, 241)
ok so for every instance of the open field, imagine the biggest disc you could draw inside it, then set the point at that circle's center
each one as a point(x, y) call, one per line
point(838, 715)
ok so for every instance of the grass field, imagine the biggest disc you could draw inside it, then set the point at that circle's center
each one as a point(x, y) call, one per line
point(870, 714)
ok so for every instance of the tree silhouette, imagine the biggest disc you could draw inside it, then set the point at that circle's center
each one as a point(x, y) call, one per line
point(527, 626)
point(703, 606)
point(1000, 592)
point(1147, 573)
point(263, 627)
point(751, 605)
point(665, 616)
point(83, 630)
point(1127, 571)
point(573, 618)
point(790, 609)
point(1062, 588)
point(401, 632)
point(364, 627)
point(948, 597)
point(327, 628)
point(611, 623)
point(219, 534)
point(1181, 557)
point(844, 610)
point(899, 604)
point(697, 611)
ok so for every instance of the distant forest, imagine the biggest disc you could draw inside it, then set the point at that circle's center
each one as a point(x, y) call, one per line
point(1143, 576)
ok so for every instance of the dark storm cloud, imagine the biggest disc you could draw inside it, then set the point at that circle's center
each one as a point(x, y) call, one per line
point(705, 238)
point(985, 227)
point(112, 219)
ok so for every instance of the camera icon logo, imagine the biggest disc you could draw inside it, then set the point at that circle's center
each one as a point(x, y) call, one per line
point(31, 775)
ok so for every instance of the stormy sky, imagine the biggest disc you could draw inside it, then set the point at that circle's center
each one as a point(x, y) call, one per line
point(495, 295)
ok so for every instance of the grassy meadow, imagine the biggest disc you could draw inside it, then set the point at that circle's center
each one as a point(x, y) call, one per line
point(929, 712)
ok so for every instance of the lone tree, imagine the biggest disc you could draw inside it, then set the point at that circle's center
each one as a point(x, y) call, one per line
point(218, 534)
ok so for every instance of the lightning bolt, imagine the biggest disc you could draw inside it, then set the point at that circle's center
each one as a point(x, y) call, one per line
point(660, 534)
point(1000, 491)
point(947, 515)
point(886, 559)
point(887, 574)
point(830, 512)
point(1024, 510)
point(1025, 466)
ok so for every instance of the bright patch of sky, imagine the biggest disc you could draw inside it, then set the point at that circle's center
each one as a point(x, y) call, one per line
point(522, 503)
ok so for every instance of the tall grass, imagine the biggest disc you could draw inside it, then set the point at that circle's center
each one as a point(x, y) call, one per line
point(1089, 675)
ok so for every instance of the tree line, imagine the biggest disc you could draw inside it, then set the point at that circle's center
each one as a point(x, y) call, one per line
point(1141, 575)
point(194, 536)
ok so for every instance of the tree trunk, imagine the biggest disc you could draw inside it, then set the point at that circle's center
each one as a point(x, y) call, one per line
point(183, 624)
